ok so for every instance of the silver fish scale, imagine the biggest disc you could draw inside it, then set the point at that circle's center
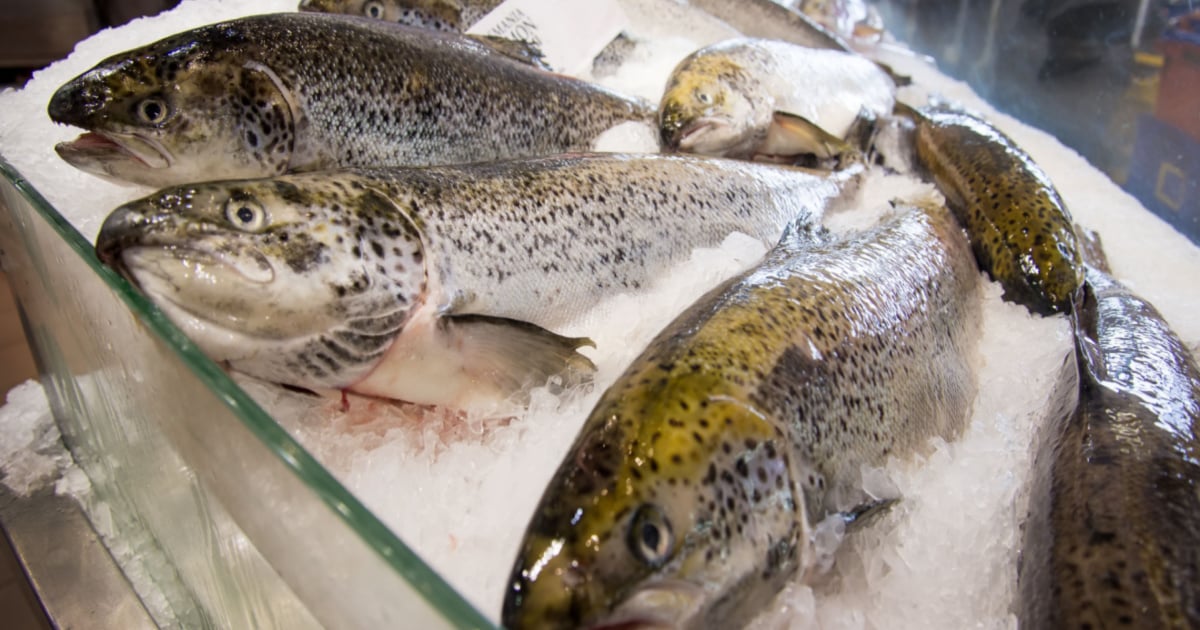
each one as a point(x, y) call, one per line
point(876, 368)
point(543, 240)
point(370, 93)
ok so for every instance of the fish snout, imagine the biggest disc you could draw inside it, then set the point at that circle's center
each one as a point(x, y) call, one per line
point(670, 126)
point(78, 101)
point(552, 593)
point(126, 226)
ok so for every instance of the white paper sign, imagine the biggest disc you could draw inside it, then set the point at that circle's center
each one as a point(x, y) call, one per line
point(569, 32)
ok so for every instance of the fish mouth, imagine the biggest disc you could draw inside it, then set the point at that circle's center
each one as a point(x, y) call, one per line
point(100, 150)
point(689, 137)
point(144, 264)
point(669, 603)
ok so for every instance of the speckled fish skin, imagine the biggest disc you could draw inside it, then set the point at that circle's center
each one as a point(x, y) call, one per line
point(440, 15)
point(721, 99)
point(1019, 227)
point(263, 95)
point(338, 277)
point(1113, 536)
point(690, 494)
point(771, 20)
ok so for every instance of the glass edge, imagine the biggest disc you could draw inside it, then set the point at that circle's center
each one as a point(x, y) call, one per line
point(395, 552)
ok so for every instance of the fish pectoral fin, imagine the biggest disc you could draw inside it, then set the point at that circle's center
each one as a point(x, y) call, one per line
point(864, 514)
point(790, 135)
point(519, 50)
point(513, 355)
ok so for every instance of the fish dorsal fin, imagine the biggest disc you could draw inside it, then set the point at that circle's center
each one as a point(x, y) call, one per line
point(525, 52)
point(802, 233)
point(791, 135)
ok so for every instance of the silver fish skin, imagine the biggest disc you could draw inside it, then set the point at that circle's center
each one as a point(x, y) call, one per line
point(262, 96)
point(440, 15)
point(1113, 534)
point(771, 20)
point(438, 285)
point(751, 97)
point(690, 496)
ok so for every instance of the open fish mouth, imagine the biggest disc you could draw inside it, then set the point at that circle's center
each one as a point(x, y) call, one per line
point(142, 263)
point(95, 150)
point(693, 137)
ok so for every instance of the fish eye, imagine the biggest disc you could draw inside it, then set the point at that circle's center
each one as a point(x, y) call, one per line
point(152, 110)
point(704, 97)
point(373, 9)
point(246, 214)
point(649, 537)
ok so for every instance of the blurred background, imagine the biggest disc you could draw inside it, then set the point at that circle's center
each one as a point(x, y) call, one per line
point(1117, 80)
point(34, 33)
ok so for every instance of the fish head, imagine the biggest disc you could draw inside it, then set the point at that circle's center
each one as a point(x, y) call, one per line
point(713, 106)
point(439, 15)
point(303, 280)
point(675, 507)
point(193, 107)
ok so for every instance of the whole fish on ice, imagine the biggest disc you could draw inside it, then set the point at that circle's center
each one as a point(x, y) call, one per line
point(690, 495)
point(1019, 226)
point(267, 94)
point(1113, 536)
point(756, 98)
point(438, 285)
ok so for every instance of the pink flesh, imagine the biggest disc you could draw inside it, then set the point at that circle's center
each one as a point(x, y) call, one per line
point(93, 140)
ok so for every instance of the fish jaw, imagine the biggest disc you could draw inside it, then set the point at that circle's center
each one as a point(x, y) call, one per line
point(718, 137)
point(119, 158)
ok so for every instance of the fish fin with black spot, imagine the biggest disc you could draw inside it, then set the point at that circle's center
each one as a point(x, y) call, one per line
point(520, 50)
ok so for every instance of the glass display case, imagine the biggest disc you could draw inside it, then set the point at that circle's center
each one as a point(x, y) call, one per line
point(237, 525)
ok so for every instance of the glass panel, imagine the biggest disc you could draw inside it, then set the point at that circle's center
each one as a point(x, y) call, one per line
point(236, 525)
point(1116, 81)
